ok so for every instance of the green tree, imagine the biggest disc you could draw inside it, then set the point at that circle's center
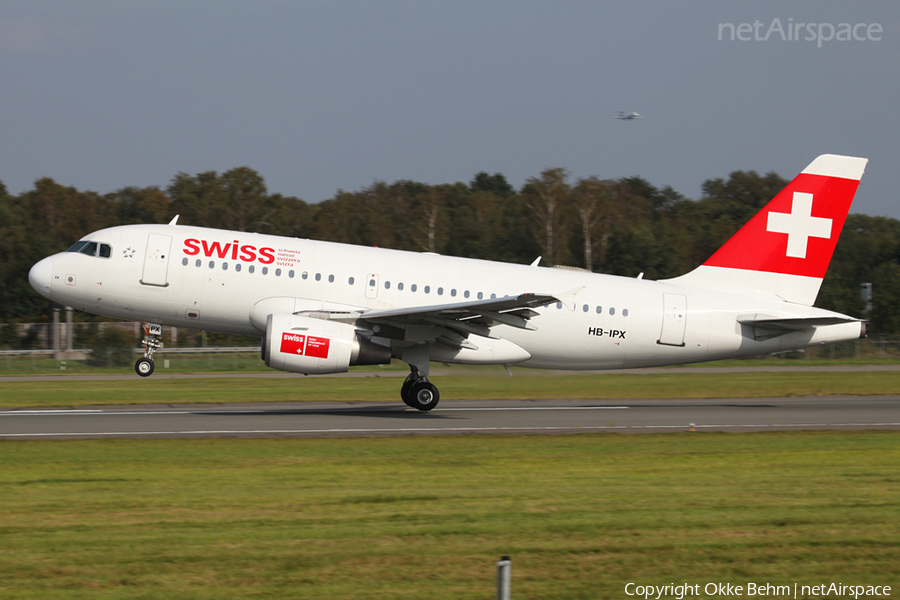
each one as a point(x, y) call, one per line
point(141, 205)
point(547, 197)
point(495, 184)
point(885, 316)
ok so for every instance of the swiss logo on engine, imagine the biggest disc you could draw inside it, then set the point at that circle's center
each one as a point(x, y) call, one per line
point(292, 343)
point(303, 345)
point(317, 347)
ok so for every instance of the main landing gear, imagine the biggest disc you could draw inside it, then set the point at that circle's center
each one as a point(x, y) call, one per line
point(151, 342)
point(419, 393)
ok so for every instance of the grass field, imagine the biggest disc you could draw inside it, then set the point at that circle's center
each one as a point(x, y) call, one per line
point(870, 351)
point(472, 385)
point(414, 517)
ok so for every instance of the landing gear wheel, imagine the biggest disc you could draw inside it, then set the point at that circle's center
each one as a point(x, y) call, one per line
point(144, 367)
point(423, 395)
point(151, 342)
point(406, 391)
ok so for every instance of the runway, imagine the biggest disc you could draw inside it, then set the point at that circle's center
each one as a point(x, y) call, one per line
point(338, 419)
point(438, 371)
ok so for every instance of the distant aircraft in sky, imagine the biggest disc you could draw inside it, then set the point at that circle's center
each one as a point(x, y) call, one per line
point(627, 116)
point(321, 307)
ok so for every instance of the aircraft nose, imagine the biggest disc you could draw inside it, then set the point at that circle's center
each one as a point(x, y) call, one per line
point(40, 276)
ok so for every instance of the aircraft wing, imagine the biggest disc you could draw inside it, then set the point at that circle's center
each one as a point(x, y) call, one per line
point(466, 317)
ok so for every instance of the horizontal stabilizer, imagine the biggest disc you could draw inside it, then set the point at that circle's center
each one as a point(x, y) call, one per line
point(792, 324)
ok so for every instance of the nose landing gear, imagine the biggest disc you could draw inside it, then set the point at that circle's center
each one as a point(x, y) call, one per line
point(151, 342)
point(419, 393)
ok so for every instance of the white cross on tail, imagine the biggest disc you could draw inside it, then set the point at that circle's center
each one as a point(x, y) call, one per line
point(799, 225)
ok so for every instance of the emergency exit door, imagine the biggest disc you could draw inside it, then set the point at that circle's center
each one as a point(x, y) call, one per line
point(156, 260)
point(674, 320)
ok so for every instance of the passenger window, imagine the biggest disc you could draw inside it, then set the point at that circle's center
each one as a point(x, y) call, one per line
point(371, 283)
point(265, 270)
point(305, 275)
point(277, 272)
point(612, 311)
point(387, 285)
point(493, 296)
point(400, 286)
point(427, 289)
point(184, 261)
point(599, 310)
point(224, 266)
point(585, 308)
point(212, 264)
point(413, 288)
point(331, 279)
point(198, 263)
point(318, 277)
point(251, 268)
point(237, 267)
point(453, 292)
point(559, 305)
point(105, 251)
point(440, 291)
point(466, 294)
point(480, 295)
point(624, 312)
point(350, 281)
point(291, 273)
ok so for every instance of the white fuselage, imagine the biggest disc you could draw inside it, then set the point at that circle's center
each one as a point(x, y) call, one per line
point(194, 277)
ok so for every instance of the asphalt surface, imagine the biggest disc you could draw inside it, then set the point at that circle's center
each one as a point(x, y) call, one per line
point(438, 371)
point(455, 417)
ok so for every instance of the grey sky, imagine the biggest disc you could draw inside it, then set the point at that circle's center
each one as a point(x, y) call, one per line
point(318, 96)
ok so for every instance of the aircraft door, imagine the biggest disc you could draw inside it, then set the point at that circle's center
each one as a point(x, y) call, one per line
point(371, 286)
point(156, 260)
point(674, 320)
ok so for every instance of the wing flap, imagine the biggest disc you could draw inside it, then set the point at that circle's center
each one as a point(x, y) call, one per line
point(452, 324)
point(506, 310)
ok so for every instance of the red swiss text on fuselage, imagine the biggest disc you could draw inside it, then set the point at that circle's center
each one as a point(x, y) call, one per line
point(233, 250)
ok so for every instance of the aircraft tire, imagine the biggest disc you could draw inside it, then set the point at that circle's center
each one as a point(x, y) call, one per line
point(424, 396)
point(144, 367)
point(406, 390)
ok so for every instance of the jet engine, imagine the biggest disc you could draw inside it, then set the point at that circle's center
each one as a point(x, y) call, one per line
point(306, 345)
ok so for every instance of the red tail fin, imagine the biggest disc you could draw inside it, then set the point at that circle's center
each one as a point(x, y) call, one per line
point(785, 249)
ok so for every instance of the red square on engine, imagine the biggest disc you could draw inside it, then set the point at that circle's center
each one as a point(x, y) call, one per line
point(292, 343)
point(317, 347)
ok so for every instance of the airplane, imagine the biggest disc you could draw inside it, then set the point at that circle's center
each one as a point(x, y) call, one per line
point(627, 117)
point(321, 307)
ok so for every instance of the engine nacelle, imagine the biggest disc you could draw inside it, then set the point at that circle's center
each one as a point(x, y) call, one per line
point(301, 344)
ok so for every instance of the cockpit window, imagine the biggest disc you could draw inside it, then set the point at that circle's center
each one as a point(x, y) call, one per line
point(91, 249)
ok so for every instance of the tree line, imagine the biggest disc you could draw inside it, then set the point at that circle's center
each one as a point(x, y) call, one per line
point(618, 226)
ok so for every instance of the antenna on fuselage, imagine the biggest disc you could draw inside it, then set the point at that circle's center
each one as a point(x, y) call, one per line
point(174, 221)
